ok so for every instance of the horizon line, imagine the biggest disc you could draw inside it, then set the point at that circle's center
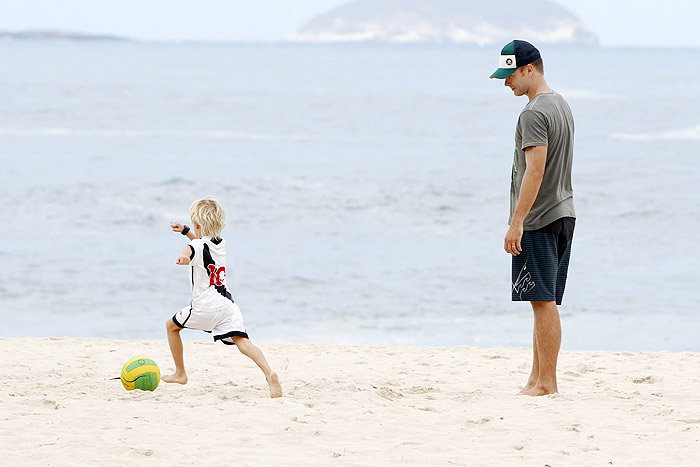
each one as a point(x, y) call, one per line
point(80, 36)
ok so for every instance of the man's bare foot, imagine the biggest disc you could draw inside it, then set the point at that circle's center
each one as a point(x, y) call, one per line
point(528, 386)
point(538, 390)
point(275, 388)
point(175, 378)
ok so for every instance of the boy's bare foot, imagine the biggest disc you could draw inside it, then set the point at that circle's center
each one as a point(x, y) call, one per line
point(175, 378)
point(275, 388)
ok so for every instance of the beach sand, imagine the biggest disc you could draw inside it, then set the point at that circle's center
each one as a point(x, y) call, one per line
point(344, 405)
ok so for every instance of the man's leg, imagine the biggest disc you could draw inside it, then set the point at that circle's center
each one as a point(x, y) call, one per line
point(547, 342)
point(175, 342)
point(535, 373)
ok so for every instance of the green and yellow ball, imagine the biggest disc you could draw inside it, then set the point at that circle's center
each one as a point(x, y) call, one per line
point(140, 373)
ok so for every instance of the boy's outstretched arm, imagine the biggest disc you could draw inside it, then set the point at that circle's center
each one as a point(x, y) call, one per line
point(184, 257)
point(177, 227)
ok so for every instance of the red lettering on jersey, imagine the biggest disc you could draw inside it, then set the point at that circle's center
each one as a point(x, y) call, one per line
point(220, 276)
point(217, 276)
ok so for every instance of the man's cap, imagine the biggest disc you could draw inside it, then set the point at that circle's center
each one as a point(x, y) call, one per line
point(515, 54)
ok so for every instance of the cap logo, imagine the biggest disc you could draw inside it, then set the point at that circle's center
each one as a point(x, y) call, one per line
point(507, 61)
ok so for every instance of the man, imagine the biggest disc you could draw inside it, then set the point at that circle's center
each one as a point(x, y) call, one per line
point(542, 216)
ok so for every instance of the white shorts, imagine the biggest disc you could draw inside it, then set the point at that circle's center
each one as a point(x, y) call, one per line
point(224, 324)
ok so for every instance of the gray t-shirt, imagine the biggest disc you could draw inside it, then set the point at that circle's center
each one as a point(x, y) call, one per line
point(545, 121)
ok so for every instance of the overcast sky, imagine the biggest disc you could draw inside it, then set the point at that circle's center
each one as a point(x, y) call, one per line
point(617, 22)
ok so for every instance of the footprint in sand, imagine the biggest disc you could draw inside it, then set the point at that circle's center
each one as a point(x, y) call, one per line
point(644, 380)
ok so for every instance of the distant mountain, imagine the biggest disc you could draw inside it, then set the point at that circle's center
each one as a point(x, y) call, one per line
point(63, 35)
point(480, 22)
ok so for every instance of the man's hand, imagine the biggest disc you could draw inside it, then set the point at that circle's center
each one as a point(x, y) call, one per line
point(514, 235)
point(177, 227)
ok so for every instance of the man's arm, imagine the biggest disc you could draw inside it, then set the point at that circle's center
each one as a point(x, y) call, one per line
point(536, 159)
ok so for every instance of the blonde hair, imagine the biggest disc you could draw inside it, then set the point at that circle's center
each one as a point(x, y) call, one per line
point(210, 216)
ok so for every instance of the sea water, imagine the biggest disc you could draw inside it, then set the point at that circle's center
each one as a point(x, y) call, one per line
point(366, 191)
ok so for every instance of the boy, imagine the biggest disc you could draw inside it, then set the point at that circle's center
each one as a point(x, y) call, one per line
point(212, 309)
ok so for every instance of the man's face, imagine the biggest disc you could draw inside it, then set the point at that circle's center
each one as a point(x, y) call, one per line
point(519, 81)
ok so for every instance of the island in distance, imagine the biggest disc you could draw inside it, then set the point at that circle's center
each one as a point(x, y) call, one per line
point(477, 22)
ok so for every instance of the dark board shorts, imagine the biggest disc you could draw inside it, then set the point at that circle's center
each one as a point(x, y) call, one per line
point(539, 271)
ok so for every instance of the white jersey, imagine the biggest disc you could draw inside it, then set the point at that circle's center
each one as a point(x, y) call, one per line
point(208, 274)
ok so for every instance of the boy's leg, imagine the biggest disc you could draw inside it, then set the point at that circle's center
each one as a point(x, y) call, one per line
point(251, 351)
point(175, 342)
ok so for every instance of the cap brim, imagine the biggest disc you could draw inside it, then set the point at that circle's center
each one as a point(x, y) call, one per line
point(502, 73)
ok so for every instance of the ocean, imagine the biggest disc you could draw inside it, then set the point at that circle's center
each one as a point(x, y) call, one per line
point(366, 190)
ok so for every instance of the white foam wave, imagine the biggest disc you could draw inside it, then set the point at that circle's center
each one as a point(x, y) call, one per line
point(683, 134)
point(207, 134)
point(586, 94)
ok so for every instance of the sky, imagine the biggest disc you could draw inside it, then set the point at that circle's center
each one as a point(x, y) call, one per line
point(617, 22)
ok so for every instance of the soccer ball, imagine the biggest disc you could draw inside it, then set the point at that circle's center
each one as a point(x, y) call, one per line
point(140, 373)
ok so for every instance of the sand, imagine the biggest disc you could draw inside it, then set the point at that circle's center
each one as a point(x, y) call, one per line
point(344, 405)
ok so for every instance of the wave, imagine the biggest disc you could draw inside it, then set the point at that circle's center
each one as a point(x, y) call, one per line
point(683, 134)
point(586, 94)
point(106, 133)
